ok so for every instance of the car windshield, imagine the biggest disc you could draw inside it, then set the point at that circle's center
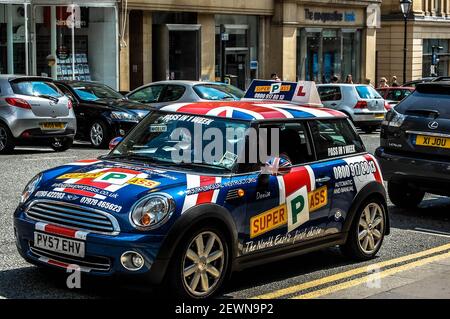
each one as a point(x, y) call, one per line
point(367, 92)
point(217, 92)
point(36, 88)
point(182, 140)
point(94, 92)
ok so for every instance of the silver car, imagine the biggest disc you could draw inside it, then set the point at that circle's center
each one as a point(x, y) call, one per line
point(160, 94)
point(362, 103)
point(33, 111)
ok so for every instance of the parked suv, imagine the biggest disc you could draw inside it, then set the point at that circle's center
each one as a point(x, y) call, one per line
point(33, 111)
point(189, 221)
point(362, 103)
point(415, 145)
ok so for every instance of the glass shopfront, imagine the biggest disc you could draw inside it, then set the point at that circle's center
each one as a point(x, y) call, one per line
point(13, 38)
point(442, 67)
point(323, 53)
point(236, 49)
point(75, 42)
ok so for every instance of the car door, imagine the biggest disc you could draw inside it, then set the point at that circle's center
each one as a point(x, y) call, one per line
point(331, 96)
point(78, 109)
point(342, 166)
point(171, 94)
point(288, 209)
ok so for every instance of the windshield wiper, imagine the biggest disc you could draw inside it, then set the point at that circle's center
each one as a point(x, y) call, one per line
point(48, 97)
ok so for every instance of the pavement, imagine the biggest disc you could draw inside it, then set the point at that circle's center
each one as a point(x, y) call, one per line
point(412, 263)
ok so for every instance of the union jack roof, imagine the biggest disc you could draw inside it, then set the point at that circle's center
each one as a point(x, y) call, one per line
point(252, 110)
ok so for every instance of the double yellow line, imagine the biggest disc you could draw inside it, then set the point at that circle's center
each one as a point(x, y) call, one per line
point(438, 252)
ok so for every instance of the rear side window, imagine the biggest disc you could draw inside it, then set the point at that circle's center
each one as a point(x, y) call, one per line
point(367, 92)
point(173, 93)
point(36, 88)
point(217, 92)
point(335, 138)
point(330, 93)
point(149, 94)
point(425, 101)
point(397, 95)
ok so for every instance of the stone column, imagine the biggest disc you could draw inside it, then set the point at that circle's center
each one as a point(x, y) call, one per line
point(124, 59)
point(369, 55)
point(208, 47)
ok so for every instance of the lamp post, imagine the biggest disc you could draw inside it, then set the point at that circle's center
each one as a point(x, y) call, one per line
point(406, 6)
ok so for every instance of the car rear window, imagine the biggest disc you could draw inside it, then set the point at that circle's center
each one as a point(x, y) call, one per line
point(367, 92)
point(217, 92)
point(427, 97)
point(330, 93)
point(335, 138)
point(36, 88)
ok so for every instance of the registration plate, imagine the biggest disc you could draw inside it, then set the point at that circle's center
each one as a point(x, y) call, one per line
point(59, 244)
point(52, 126)
point(433, 141)
point(379, 116)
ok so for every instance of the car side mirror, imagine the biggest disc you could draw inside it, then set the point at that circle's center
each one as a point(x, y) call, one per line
point(114, 142)
point(276, 166)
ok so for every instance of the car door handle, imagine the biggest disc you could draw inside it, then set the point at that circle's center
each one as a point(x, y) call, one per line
point(323, 180)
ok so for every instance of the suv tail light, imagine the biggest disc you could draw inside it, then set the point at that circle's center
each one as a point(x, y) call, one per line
point(69, 104)
point(361, 105)
point(18, 103)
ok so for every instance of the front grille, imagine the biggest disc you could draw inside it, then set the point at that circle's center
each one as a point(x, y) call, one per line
point(91, 262)
point(73, 216)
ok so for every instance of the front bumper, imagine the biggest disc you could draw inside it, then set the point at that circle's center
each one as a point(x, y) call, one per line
point(122, 128)
point(422, 173)
point(102, 252)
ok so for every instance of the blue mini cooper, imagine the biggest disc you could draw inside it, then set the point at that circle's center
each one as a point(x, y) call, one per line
point(176, 209)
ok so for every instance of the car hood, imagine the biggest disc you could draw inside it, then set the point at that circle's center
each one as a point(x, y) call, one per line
point(125, 106)
point(110, 186)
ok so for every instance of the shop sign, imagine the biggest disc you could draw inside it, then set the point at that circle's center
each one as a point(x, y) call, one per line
point(63, 53)
point(334, 16)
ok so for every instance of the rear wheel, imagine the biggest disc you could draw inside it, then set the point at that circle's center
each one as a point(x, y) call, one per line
point(6, 140)
point(369, 129)
point(99, 134)
point(199, 267)
point(404, 196)
point(61, 144)
point(367, 232)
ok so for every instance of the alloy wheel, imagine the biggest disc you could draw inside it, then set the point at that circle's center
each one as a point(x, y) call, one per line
point(203, 264)
point(3, 138)
point(371, 228)
point(97, 134)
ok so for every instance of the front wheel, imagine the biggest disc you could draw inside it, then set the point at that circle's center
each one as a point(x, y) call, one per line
point(200, 265)
point(404, 196)
point(99, 135)
point(61, 144)
point(367, 232)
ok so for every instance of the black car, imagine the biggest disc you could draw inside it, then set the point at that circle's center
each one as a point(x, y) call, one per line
point(102, 113)
point(415, 145)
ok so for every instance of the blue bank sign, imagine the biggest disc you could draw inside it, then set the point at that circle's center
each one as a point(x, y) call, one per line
point(335, 16)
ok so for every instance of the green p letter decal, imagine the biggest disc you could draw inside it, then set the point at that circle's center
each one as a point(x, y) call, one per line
point(298, 211)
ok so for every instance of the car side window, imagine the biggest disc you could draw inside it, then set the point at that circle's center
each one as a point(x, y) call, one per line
point(173, 93)
point(149, 94)
point(66, 91)
point(335, 138)
point(330, 93)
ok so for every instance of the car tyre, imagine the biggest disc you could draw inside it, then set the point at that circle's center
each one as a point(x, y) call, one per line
point(196, 275)
point(368, 129)
point(404, 196)
point(367, 232)
point(99, 134)
point(6, 140)
point(61, 145)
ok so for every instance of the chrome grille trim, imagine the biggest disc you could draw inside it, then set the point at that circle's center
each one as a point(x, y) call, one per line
point(73, 216)
point(93, 266)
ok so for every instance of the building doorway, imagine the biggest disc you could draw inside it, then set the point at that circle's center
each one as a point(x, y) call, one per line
point(236, 68)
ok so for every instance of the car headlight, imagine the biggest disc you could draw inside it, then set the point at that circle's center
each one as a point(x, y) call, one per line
point(123, 116)
point(30, 188)
point(151, 211)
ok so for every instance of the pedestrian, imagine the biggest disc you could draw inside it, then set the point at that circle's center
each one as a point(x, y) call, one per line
point(394, 82)
point(368, 82)
point(275, 77)
point(349, 79)
point(383, 83)
point(334, 79)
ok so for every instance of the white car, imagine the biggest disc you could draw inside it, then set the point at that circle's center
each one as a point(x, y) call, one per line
point(159, 94)
point(362, 103)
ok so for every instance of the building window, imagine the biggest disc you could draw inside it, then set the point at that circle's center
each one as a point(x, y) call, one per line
point(12, 39)
point(324, 53)
point(442, 68)
point(237, 49)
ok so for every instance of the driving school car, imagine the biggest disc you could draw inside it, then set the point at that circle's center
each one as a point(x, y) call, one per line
point(168, 210)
